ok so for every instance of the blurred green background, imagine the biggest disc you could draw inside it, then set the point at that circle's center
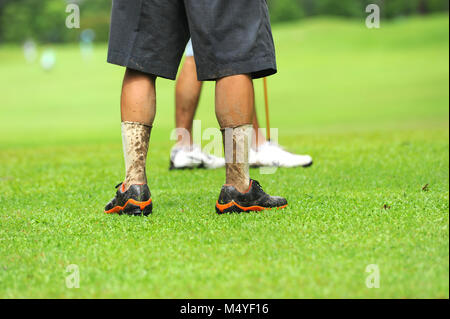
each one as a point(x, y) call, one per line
point(22, 19)
point(370, 105)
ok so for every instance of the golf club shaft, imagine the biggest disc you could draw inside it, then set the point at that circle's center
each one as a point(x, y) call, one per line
point(266, 98)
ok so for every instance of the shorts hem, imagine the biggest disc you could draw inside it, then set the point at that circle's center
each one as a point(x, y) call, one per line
point(158, 68)
point(255, 68)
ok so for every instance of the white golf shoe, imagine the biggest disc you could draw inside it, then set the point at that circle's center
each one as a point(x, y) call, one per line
point(193, 157)
point(273, 155)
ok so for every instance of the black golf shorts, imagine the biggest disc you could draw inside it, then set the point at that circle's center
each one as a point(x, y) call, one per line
point(229, 37)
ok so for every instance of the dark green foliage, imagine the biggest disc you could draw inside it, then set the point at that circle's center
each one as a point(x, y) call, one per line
point(22, 19)
point(285, 10)
point(44, 20)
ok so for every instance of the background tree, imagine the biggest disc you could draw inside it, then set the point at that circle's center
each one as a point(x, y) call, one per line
point(44, 20)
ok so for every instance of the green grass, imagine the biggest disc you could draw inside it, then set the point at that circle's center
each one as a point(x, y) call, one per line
point(371, 106)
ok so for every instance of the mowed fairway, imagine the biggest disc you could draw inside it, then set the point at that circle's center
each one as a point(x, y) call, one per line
point(371, 106)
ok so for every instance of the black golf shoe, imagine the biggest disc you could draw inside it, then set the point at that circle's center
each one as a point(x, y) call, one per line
point(135, 201)
point(255, 199)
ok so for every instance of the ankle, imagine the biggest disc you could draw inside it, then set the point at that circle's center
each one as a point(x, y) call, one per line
point(241, 186)
point(128, 183)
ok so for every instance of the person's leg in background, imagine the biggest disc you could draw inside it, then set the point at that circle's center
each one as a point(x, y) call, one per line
point(185, 154)
point(187, 96)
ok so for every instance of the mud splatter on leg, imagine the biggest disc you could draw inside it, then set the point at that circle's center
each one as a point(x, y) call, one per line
point(135, 138)
point(237, 145)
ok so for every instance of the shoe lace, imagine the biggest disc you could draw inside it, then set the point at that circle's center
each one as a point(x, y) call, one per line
point(257, 185)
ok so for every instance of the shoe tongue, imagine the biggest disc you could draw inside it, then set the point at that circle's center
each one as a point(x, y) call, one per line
point(257, 185)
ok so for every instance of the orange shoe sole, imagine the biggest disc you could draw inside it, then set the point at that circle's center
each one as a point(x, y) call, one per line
point(234, 207)
point(133, 207)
